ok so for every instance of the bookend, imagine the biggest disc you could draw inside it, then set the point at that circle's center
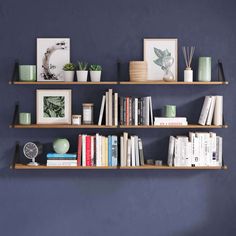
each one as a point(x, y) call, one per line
point(118, 71)
point(15, 74)
point(15, 115)
point(16, 156)
point(221, 75)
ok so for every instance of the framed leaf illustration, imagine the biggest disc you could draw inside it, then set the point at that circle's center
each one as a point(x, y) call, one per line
point(161, 56)
point(53, 106)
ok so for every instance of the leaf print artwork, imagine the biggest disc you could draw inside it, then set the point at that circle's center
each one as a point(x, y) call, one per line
point(54, 106)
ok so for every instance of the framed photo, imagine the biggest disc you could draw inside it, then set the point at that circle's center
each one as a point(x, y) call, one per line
point(52, 55)
point(161, 56)
point(53, 106)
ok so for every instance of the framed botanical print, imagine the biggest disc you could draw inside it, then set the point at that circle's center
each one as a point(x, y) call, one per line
point(53, 106)
point(161, 56)
point(52, 55)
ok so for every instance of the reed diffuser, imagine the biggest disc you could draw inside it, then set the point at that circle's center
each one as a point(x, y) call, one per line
point(188, 56)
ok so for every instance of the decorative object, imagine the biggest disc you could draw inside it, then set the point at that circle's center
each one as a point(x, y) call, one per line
point(161, 56)
point(27, 73)
point(76, 119)
point(82, 72)
point(204, 69)
point(53, 106)
point(138, 71)
point(69, 72)
point(87, 113)
point(61, 145)
point(150, 162)
point(52, 55)
point(31, 150)
point(188, 56)
point(95, 73)
point(158, 162)
point(170, 111)
point(24, 118)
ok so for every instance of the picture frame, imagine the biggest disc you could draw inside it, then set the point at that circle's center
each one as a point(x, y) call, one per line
point(53, 106)
point(52, 55)
point(161, 55)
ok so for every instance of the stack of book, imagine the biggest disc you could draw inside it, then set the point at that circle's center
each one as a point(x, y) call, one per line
point(170, 121)
point(55, 159)
point(131, 151)
point(97, 150)
point(212, 111)
point(199, 149)
point(109, 106)
point(136, 111)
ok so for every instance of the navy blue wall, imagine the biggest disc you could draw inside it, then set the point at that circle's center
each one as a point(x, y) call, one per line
point(136, 203)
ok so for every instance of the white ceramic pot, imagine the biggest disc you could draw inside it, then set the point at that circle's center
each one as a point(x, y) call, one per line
point(69, 76)
point(82, 75)
point(95, 76)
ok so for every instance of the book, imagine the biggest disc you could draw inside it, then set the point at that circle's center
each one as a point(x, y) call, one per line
point(133, 159)
point(122, 151)
point(110, 107)
point(137, 158)
point(109, 150)
point(114, 150)
point(125, 148)
point(88, 150)
point(171, 151)
point(83, 150)
point(146, 111)
point(136, 111)
point(151, 110)
point(170, 121)
point(218, 113)
point(129, 153)
point(211, 111)
point(102, 110)
point(107, 109)
point(115, 109)
point(141, 155)
point(121, 110)
point(66, 155)
point(98, 150)
point(205, 110)
point(61, 162)
point(79, 154)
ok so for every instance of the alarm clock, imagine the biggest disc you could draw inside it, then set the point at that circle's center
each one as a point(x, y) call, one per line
point(32, 150)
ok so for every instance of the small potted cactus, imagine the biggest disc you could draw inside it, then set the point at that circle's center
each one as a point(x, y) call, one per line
point(82, 71)
point(69, 72)
point(95, 73)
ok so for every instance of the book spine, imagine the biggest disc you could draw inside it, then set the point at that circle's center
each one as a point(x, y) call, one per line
point(205, 110)
point(106, 151)
point(116, 109)
point(92, 151)
point(129, 152)
point(110, 109)
point(171, 150)
point(102, 110)
point(137, 159)
point(132, 151)
point(136, 111)
point(142, 112)
point(211, 111)
point(125, 148)
point(79, 150)
point(218, 114)
point(98, 147)
point(56, 155)
point(140, 145)
point(114, 150)
point(121, 151)
point(151, 110)
point(107, 109)
point(127, 110)
point(121, 111)
point(109, 150)
point(146, 112)
point(103, 156)
point(88, 150)
point(83, 150)
point(130, 111)
point(139, 111)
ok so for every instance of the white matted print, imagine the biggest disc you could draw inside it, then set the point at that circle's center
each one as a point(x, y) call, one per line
point(52, 55)
point(53, 106)
point(161, 56)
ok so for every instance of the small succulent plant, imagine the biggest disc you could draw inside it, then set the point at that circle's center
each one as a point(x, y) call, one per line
point(82, 65)
point(69, 67)
point(95, 68)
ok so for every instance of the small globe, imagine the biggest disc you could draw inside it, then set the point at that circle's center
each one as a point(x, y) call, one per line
point(61, 145)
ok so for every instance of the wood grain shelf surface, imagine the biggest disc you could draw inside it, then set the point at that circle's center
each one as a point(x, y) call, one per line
point(58, 126)
point(120, 82)
point(145, 167)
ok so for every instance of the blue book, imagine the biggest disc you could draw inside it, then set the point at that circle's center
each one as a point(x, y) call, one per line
point(109, 150)
point(56, 155)
point(114, 151)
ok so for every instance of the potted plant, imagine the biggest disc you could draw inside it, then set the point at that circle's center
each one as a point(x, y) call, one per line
point(82, 71)
point(69, 72)
point(95, 73)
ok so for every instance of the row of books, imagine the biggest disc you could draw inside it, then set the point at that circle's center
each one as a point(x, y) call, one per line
point(109, 107)
point(212, 111)
point(199, 149)
point(136, 111)
point(55, 159)
point(131, 150)
point(170, 121)
point(97, 150)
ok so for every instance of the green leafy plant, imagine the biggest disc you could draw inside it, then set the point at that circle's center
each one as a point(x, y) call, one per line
point(69, 67)
point(95, 68)
point(82, 65)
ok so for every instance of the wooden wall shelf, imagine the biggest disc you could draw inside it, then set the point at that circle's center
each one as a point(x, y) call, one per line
point(121, 83)
point(145, 167)
point(36, 126)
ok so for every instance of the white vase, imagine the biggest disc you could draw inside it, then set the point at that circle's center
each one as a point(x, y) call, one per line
point(82, 75)
point(95, 76)
point(69, 76)
point(188, 75)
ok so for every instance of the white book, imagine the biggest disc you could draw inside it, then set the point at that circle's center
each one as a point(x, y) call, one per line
point(137, 159)
point(102, 110)
point(146, 111)
point(195, 149)
point(107, 109)
point(103, 156)
point(205, 110)
point(183, 145)
point(219, 147)
point(84, 150)
point(136, 111)
point(129, 153)
point(125, 148)
point(133, 163)
point(177, 152)
point(122, 151)
point(110, 109)
point(98, 150)
point(151, 110)
point(61, 162)
point(204, 148)
point(213, 149)
point(171, 151)
point(115, 109)
point(211, 111)
point(170, 121)
point(218, 113)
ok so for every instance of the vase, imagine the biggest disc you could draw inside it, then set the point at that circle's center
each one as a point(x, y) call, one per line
point(204, 69)
point(27, 73)
point(61, 145)
point(170, 111)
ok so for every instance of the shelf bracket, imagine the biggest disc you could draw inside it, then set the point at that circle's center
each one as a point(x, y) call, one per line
point(15, 115)
point(221, 75)
point(15, 75)
point(16, 156)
